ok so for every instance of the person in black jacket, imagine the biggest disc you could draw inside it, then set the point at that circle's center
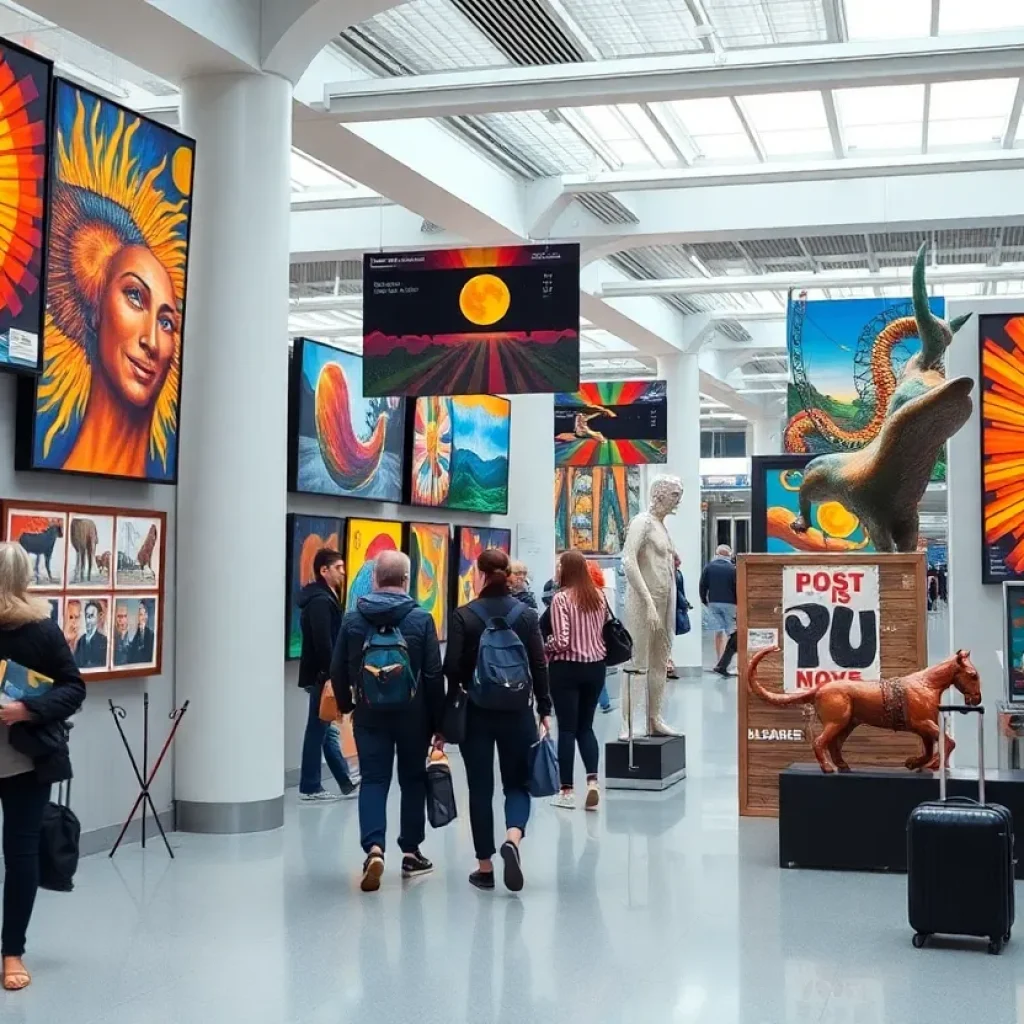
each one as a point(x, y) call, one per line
point(718, 594)
point(33, 745)
point(320, 619)
point(512, 732)
point(399, 732)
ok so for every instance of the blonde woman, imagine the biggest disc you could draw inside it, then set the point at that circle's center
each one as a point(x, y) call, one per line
point(31, 759)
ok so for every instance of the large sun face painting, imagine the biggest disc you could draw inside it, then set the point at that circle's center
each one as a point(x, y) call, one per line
point(775, 504)
point(107, 402)
point(366, 539)
point(1001, 338)
point(25, 85)
point(470, 542)
point(472, 321)
point(430, 555)
point(593, 508)
point(614, 423)
point(460, 452)
point(306, 536)
point(340, 442)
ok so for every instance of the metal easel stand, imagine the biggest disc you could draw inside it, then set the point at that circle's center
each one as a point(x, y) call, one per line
point(145, 777)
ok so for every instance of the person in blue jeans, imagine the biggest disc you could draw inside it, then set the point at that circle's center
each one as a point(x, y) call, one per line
point(320, 619)
point(513, 733)
point(390, 732)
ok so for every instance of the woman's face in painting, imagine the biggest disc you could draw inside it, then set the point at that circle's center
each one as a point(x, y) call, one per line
point(138, 325)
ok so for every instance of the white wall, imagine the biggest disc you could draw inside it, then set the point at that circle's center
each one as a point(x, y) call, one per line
point(104, 787)
point(975, 610)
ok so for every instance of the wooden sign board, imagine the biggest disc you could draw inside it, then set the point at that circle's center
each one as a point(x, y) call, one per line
point(773, 738)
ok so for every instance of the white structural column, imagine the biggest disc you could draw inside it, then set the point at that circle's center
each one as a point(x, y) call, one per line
point(766, 436)
point(531, 485)
point(682, 375)
point(229, 764)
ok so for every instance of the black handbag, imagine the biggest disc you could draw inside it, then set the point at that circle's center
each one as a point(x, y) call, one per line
point(38, 740)
point(618, 644)
point(59, 840)
point(440, 794)
point(453, 719)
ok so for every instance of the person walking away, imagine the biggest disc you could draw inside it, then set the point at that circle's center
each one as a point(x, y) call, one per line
point(718, 595)
point(387, 670)
point(320, 620)
point(519, 584)
point(577, 653)
point(597, 575)
point(498, 717)
point(33, 753)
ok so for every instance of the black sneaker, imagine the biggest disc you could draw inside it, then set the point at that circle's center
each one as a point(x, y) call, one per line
point(349, 789)
point(513, 868)
point(415, 864)
point(373, 868)
point(482, 879)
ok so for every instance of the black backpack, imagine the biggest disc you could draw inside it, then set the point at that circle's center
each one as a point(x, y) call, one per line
point(58, 844)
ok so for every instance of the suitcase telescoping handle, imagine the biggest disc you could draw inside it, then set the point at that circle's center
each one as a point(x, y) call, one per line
point(962, 709)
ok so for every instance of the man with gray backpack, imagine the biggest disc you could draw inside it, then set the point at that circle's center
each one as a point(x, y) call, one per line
point(495, 656)
point(386, 669)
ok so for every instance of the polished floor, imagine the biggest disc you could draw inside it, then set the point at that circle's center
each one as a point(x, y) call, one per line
point(659, 908)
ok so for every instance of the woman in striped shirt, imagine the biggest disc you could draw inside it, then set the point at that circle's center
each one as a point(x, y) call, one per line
point(576, 653)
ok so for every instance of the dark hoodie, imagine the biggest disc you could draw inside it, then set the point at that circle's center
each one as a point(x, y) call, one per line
point(320, 620)
point(385, 608)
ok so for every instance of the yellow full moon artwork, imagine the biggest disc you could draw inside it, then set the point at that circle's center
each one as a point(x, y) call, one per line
point(835, 520)
point(484, 299)
point(181, 170)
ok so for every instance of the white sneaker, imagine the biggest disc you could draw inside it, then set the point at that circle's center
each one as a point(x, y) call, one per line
point(593, 796)
point(566, 800)
point(323, 797)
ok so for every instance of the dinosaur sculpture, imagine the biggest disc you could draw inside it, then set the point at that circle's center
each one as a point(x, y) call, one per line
point(906, 704)
point(883, 483)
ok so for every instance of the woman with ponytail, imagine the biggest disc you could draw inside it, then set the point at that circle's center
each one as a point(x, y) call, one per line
point(513, 733)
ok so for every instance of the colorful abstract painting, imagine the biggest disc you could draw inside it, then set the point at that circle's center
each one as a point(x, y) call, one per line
point(107, 402)
point(845, 356)
point(774, 501)
point(367, 538)
point(472, 321)
point(593, 507)
point(613, 423)
point(460, 453)
point(26, 82)
point(469, 542)
point(1001, 337)
point(306, 535)
point(430, 557)
point(1013, 609)
point(341, 443)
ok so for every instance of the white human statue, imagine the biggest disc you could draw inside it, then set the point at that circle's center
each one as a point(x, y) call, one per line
point(649, 563)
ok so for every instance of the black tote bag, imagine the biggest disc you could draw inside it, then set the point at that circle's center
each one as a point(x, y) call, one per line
point(59, 841)
point(440, 794)
point(618, 644)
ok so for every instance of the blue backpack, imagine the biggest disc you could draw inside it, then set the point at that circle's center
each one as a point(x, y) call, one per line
point(387, 680)
point(501, 678)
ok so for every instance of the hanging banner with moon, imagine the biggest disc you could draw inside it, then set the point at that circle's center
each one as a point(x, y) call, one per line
point(472, 321)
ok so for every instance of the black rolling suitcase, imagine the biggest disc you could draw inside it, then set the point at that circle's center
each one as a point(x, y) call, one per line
point(960, 861)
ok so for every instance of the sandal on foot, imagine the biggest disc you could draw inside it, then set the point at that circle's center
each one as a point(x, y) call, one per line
point(16, 977)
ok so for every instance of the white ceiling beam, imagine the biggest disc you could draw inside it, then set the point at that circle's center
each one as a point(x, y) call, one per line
point(808, 170)
point(682, 76)
point(342, 197)
point(729, 285)
point(835, 124)
point(325, 303)
point(1013, 121)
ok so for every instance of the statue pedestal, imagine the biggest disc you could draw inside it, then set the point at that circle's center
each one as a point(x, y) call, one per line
point(857, 821)
point(658, 762)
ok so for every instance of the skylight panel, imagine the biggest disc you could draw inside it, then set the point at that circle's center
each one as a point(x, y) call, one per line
point(959, 16)
point(969, 113)
point(789, 124)
point(881, 118)
point(714, 128)
point(888, 19)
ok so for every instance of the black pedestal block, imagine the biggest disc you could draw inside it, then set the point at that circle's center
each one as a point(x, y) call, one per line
point(660, 762)
point(857, 821)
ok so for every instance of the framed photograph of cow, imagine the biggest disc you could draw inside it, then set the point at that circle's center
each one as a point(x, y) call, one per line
point(102, 570)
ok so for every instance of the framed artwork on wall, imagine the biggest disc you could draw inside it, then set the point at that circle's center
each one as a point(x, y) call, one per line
point(306, 536)
point(460, 453)
point(107, 402)
point(340, 443)
point(365, 540)
point(469, 542)
point(430, 558)
point(593, 507)
point(775, 503)
point(1013, 648)
point(26, 85)
point(613, 423)
point(101, 570)
point(1001, 361)
point(502, 320)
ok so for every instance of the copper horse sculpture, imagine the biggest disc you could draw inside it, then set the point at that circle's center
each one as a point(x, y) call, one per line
point(906, 704)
